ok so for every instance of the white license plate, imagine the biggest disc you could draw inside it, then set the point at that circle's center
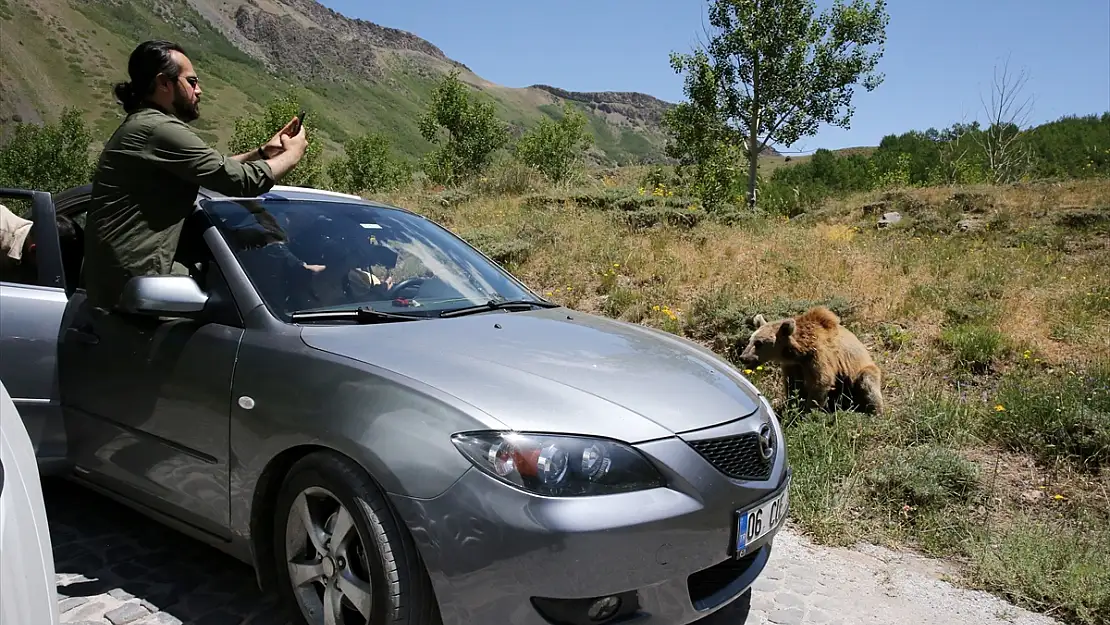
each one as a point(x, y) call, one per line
point(755, 523)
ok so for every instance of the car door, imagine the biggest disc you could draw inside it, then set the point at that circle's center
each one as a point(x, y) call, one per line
point(147, 399)
point(31, 310)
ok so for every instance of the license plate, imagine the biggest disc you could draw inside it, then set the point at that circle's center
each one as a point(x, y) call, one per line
point(756, 522)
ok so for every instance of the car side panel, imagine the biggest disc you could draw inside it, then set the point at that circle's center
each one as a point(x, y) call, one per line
point(287, 395)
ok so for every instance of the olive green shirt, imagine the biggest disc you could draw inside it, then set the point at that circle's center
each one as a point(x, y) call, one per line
point(145, 185)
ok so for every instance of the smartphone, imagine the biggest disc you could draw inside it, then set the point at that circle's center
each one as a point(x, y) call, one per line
point(300, 122)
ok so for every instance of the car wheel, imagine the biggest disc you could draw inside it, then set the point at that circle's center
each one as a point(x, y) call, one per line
point(342, 555)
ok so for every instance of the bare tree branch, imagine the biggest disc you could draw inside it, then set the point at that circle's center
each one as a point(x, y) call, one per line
point(1007, 115)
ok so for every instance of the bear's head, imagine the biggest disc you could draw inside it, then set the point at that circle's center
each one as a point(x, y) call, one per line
point(769, 343)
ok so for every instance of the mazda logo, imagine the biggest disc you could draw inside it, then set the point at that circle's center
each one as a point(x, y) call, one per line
point(766, 441)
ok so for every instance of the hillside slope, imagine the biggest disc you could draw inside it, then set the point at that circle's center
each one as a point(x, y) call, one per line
point(354, 75)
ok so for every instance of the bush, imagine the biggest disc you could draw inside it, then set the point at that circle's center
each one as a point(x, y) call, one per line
point(555, 147)
point(466, 129)
point(52, 157)
point(368, 165)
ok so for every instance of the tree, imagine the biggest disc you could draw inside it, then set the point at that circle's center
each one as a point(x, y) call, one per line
point(772, 72)
point(253, 131)
point(368, 165)
point(1002, 139)
point(466, 129)
point(701, 139)
point(51, 157)
point(554, 147)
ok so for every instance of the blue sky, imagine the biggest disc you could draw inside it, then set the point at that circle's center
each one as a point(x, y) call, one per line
point(940, 54)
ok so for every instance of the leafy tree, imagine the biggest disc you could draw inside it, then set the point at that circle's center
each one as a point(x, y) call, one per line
point(51, 157)
point(554, 147)
point(368, 165)
point(773, 72)
point(466, 129)
point(701, 139)
point(251, 132)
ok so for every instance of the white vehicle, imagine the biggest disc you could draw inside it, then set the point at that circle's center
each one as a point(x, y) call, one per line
point(27, 590)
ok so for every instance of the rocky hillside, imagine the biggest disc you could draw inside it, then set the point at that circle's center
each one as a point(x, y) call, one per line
point(353, 74)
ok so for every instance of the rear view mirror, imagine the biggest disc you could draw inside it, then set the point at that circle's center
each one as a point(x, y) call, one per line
point(162, 295)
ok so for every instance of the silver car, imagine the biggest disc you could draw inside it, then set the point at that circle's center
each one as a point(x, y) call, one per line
point(391, 428)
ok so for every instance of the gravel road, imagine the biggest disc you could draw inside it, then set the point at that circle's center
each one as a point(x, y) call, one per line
point(115, 567)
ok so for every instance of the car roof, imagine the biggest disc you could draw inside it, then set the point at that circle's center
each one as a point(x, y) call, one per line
point(64, 199)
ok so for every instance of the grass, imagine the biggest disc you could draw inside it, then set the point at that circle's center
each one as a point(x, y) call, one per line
point(995, 449)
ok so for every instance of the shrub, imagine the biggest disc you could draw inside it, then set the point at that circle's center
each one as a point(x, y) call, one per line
point(51, 157)
point(555, 147)
point(368, 165)
point(466, 129)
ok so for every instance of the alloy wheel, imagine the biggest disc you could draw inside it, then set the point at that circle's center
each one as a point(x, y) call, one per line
point(327, 561)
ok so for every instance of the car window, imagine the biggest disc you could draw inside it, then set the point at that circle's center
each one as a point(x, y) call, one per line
point(327, 255)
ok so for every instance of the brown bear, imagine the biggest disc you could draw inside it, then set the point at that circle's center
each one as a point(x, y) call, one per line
point(822, 361)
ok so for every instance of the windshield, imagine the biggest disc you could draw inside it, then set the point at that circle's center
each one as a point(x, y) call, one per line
point(306, 255)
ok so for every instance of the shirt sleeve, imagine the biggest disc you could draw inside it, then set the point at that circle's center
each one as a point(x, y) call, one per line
point(177, 149)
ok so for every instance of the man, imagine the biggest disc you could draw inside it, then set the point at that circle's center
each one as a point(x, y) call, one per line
point(151, 168)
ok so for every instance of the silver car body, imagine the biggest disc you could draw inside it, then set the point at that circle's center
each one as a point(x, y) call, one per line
point(193, 423)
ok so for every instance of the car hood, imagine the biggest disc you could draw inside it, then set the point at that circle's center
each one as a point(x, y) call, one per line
point(556, 371)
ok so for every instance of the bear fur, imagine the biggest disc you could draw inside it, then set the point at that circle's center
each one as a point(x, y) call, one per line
point(822, 361)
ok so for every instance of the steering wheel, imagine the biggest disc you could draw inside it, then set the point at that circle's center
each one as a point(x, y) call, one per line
point(405, 284)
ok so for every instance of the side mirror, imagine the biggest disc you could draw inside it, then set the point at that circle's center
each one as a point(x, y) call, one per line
point(162, 295)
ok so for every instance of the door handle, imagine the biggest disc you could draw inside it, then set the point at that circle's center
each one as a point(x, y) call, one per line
point(80, 336)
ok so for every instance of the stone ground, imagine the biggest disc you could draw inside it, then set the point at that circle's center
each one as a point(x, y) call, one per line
point(117, 568)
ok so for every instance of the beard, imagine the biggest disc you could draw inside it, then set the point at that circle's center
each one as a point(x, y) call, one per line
point(183, 109)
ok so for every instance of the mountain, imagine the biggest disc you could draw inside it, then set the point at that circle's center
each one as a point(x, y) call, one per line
point(352, 74)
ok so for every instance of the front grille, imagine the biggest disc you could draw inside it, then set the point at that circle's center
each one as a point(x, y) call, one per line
point(736, 456)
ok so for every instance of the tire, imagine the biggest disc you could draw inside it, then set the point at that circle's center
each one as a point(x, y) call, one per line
point(373, 564)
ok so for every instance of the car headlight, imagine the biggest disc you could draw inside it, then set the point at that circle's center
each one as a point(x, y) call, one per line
point(559, 465)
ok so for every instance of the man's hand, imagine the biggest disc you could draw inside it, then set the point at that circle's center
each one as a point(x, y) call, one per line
point(296, 144)
point(292, 151)
point(273, 147)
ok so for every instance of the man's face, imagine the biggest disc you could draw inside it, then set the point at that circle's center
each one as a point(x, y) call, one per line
point(186, 90)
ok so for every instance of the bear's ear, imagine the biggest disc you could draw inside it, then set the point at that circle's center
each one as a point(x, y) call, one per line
point(787, 328)
point(758, 321)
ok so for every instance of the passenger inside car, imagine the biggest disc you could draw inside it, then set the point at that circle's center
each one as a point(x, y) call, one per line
point(18, 248)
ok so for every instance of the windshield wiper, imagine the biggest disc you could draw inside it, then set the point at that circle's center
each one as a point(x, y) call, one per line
point(511, 304)
point(359, 315)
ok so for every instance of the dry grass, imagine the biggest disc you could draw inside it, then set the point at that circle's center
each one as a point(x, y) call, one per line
point(1016, 312)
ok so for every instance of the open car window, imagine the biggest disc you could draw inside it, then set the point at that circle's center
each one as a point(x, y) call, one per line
point(314, 255)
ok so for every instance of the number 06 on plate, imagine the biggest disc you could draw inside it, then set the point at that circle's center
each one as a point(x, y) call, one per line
point(756, 522)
